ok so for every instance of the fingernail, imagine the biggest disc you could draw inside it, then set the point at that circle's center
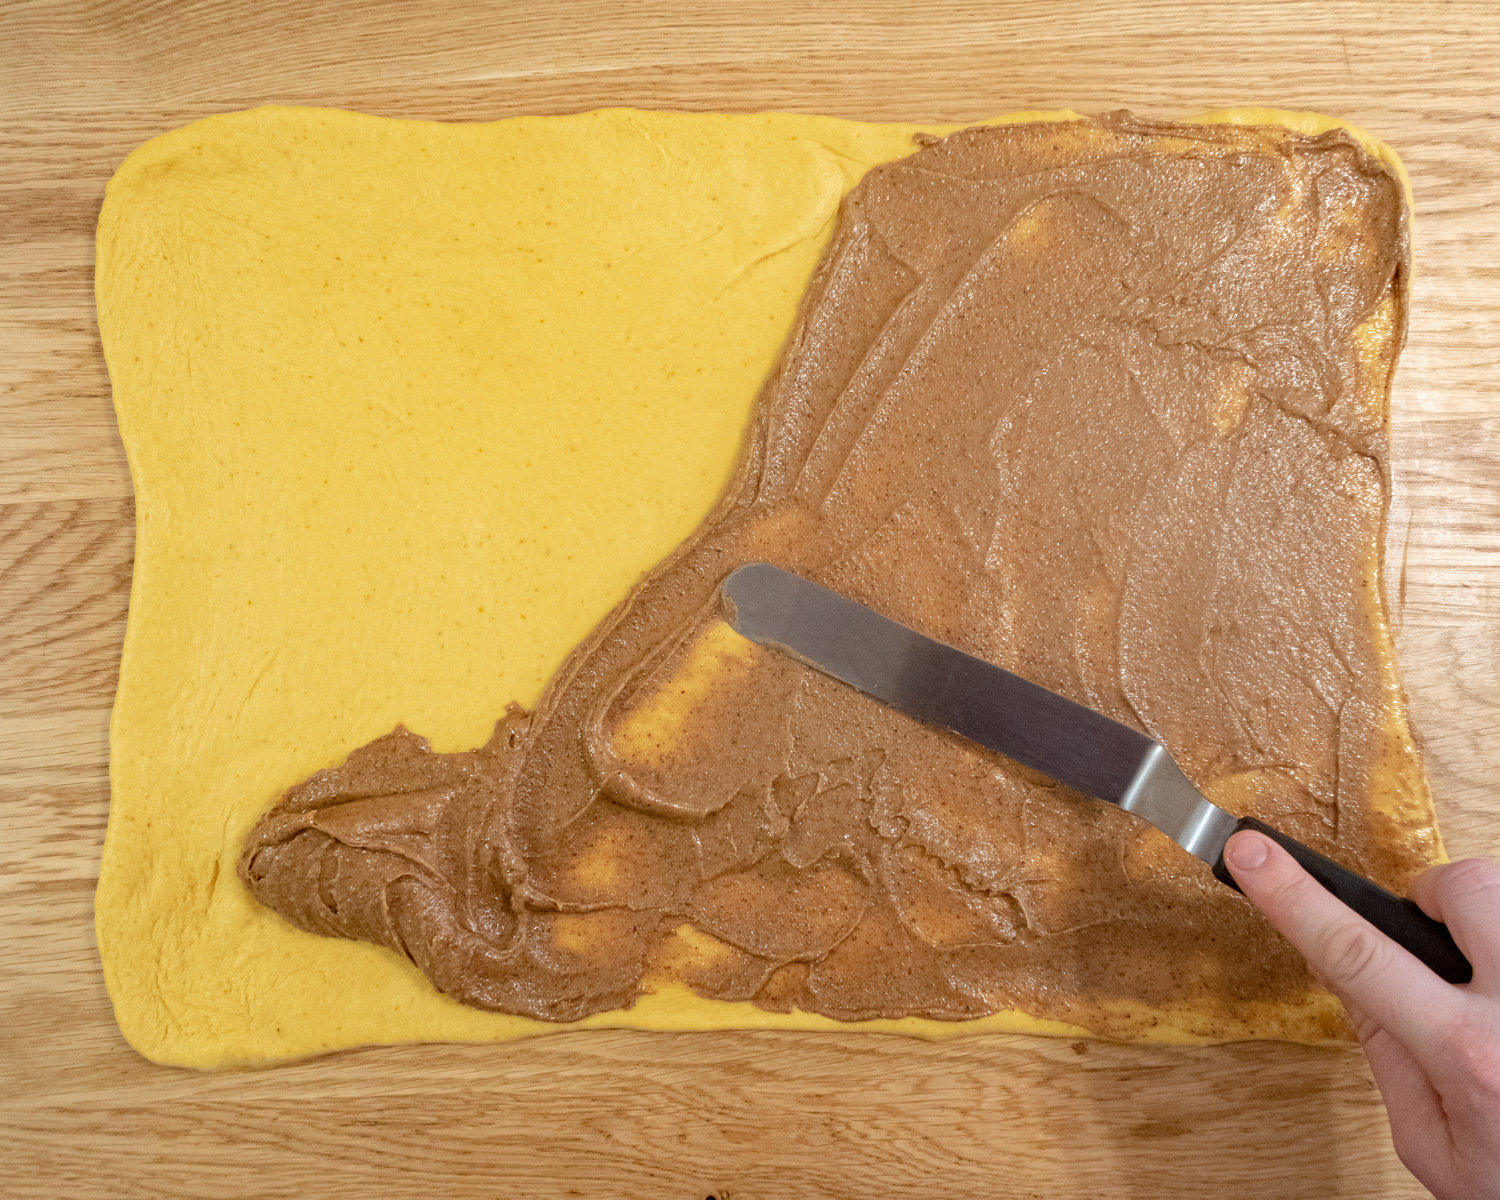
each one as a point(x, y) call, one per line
point(1246, 851)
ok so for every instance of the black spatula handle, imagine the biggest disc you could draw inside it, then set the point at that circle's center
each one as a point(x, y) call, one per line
point(1400, 920)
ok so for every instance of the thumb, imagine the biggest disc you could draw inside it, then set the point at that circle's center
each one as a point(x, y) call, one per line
point(1378, 976)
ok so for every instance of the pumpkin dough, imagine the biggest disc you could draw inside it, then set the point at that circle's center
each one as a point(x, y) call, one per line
point(395, 396)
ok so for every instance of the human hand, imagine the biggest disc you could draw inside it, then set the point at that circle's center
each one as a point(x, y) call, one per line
point(1434, 1048)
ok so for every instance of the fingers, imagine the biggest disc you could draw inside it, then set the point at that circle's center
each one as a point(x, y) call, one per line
point(1419, 1126)
point(1465, 896)
point(1389, 985)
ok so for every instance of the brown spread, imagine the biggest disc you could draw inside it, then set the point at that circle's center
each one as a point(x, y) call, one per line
point(1102, 402)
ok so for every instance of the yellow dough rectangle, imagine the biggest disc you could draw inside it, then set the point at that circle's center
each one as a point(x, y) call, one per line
point(409, 407)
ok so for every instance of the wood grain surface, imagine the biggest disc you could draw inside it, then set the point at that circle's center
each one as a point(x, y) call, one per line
point(627, 1114)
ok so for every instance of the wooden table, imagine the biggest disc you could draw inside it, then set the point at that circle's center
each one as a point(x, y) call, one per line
point(636, 1114)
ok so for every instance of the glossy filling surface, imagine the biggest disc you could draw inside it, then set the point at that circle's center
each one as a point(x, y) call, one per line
point(1103, 402)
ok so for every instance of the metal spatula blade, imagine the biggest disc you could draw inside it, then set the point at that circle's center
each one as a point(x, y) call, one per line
point(1072, 744)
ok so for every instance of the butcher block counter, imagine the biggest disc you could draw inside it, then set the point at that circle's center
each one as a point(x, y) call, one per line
point(638, 1114)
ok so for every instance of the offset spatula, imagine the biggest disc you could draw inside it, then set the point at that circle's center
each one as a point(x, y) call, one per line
point(1040, 729)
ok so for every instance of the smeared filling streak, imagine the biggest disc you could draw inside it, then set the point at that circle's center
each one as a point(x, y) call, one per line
point(1102, 402)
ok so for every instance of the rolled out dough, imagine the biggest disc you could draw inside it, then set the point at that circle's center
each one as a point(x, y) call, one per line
point(409, 407)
